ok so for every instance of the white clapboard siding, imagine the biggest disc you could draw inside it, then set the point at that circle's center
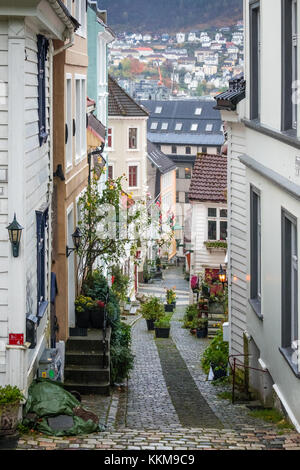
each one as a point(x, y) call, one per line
point(237, 233)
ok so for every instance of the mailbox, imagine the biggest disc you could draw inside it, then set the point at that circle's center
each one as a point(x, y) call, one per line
point(31, 330)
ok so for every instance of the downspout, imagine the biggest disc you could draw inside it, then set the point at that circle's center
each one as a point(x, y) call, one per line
point(66, 46)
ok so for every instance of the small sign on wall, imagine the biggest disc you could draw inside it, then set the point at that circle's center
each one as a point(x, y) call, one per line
point(16, 339)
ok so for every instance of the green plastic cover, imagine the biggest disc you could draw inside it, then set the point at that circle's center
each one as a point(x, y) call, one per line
point(48, 399)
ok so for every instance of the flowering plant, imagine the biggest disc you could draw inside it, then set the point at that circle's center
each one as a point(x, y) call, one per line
point(171, 296)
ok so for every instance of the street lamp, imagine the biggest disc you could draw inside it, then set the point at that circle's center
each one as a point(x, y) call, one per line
point(76, 237)
point(222, 276)
point(14, 233)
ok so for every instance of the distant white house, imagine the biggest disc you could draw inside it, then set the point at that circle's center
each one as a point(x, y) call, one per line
point(180, 38)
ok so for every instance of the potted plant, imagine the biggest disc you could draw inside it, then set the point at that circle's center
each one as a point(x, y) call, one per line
point(194, 283)
point(162, 328)
point(216, 304)
point(97, 315)
point(202, 327)
point(171, 300)
point(152, 310)
point(205, 289)
point(158, 264)
point(10, 399)
point(83, 307)
point(216, 356)
point(190, 314)
point(146, 274)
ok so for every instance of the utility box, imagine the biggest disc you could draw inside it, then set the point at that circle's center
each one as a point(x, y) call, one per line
point(50, 365)
point(226, 332)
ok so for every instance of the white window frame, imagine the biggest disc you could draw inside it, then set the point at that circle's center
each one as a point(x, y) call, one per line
point(80, 118)
point(198, 111)
point(154, 126)
point(178, 126)
point(137, 164)
point(158, 110)
point(164, 126)
point(137, 139)
point(194, 127)
point(69, 121)
point(218, 219)
point(209, 127)
point(112, 139)
point(81, 16)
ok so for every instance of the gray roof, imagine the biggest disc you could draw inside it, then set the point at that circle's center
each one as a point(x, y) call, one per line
point(159, 159)
point(175, 119)
point(186, 139)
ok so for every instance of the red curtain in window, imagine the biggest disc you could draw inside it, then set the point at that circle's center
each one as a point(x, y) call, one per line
point(133, 176)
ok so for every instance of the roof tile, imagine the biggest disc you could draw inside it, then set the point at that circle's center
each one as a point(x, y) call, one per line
point(209, 180)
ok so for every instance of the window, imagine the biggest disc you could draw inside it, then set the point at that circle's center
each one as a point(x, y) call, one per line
point(290, 64)
point(132, 138)
point(194, 127)
point(80, 13)
point(133, 176)
point(41, 233)
point(255, 50)
point(164, 126)
point(198, 111)
point(188, 150)
point(177, 196)
point(204, 149)
point(80, 122)
point(289, 286)
point(187, 173)
point(109, 138)
point(209, 127)
point(174, 149)
point(255, 249)
point(110, 172)
point(68, 130)
point(42, 45)
point(217, 224)
point(158, 110)
point(178, 126)
point(154, 126)
point(177, 173)
point(187, 200)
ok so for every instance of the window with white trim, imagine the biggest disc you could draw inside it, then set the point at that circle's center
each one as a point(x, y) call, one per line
point(217, 224)
point(154, 126)
point(132, 176)
point(178, 126)
point(194, 127)
point(109, 138)
point(68, 127)
point(80, 121)
point(158, 110)
point(209, 127)
point(164, 126)
point(80, 14)
point(198, 111)
point(132, 138)
point(255, 249)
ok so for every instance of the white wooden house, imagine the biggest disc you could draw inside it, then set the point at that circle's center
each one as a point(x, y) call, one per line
point(27, 30)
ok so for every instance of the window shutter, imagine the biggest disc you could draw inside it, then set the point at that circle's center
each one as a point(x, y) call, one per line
point(41, 224)
point(74, 127)
point(42, 45)
point(66, 133)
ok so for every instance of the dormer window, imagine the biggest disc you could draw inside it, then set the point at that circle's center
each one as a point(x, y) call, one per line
point(164, 126)
point(209, 127)
point(158, 110)
point(194, 127)
point(154, 126)
point(178, 126)
point(198, 111)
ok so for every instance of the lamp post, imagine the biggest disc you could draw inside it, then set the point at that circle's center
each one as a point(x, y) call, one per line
point(14, 233)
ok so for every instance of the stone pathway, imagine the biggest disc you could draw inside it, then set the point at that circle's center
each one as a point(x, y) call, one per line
point(168, 404)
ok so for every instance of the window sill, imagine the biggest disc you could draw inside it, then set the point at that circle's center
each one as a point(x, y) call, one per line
point(256, 307)
point(287, 137)
point(287, 354)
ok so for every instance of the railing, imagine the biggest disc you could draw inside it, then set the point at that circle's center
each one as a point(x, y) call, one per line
point(104, 363)
point(238, 364)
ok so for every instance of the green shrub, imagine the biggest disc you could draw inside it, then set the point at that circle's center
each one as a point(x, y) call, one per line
point(153, 309)
point(191, 313)
point(121, 283)
point(163, 322)
point(121, 357)
point(10, 395)
point(217, 353)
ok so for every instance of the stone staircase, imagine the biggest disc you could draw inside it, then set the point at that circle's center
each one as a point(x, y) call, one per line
point(215, 321)
point(85, 370)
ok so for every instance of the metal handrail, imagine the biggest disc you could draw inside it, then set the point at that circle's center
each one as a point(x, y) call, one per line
point(105, 329)
point(236, 364)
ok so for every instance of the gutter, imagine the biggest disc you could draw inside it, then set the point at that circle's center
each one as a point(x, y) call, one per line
point(66, 46)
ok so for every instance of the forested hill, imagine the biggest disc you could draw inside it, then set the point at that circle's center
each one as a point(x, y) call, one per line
point(170, 15)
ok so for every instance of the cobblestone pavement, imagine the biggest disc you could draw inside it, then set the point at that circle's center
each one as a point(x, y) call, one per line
point(150, 412)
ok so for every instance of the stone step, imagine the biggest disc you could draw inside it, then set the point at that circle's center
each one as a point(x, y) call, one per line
point(102, 388)
point(83, 358)
point(75, 373)
point(94, 342)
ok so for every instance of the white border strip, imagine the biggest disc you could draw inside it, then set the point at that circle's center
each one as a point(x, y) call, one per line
point(287, 408)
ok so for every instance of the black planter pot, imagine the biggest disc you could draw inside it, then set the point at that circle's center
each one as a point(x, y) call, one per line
point(169, 307)
point(201, 333)
point(97, 318)
point(162, 332)
point(150, 325)
point(83, 319)
point(218, 373)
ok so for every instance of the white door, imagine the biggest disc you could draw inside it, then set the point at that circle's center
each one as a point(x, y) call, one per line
point(71, 269)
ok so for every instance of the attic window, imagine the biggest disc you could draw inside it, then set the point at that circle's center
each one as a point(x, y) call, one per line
point(198, 111)
point(178, 126)
point(194, 127)
point(154, 125)
point(164, 126)
point(209, 127)
point(158, 109)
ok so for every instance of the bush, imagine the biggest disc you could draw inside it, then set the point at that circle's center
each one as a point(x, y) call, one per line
point(163, 322)
point(120, 353)
point(10, 395)
point(217, 353)
point(191, 313)
point(121, 283)
point(153, 309)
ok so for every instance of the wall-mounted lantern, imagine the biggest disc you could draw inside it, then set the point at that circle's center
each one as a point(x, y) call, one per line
point(222, 275)
point(76, 237)
point(14, 233)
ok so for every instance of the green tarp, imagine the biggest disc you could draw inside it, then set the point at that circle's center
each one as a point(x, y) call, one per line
point(48, 399)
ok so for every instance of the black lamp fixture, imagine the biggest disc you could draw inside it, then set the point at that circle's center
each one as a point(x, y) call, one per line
point(14, 233)
point(222, 275)
point(76, 237)
point(59, 173)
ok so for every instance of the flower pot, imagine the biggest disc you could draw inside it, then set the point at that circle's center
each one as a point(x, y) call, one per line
point(162, 332)
point(218, 372)
point(150, 325)
point(83, 319)
point(9, 418)
point(201, 332)
point(97, 318)
point(216, 307)
point(169, 307)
